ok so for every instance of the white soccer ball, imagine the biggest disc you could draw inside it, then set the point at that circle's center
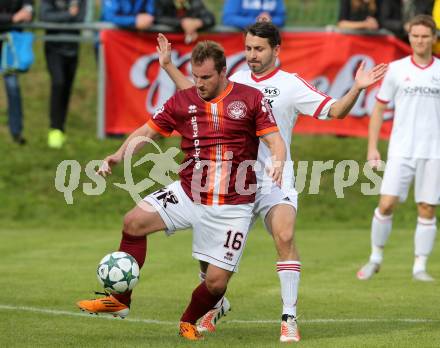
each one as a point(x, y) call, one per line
point(118, 272)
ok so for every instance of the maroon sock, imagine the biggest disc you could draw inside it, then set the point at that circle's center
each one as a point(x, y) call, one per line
point(202, 301)
point(136, 246)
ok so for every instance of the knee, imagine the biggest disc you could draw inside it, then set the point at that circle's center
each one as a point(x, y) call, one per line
point(216, 286)
point(426, 211)
point(386, 208)
point(133, 225)
point(283, 236)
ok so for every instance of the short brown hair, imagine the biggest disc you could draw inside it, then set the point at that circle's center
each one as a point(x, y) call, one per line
point(265, 30)
point(424, 20)
point(209, 49)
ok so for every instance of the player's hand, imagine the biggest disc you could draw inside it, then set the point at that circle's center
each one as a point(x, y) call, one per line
point(163, 48)
point(74, 9)
point(264, 17)
point(144, 21)
point(373, 158)
point(23, 15)
point(276, 173)
point(106, 166)
point(371, 23)
point(190, 27)
point(364, 79)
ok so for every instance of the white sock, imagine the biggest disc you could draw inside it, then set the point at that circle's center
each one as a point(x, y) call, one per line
point(380, 231)
point(289, 273)
point(423, 242)
point(202, 276)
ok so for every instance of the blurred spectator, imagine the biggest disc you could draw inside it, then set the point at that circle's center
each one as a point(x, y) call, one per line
point(395, 14)
point(186, 15)
point(129, 13)
point(436, 16)
point(62, 61)
point(12, 12)
point(242, 13)
point(358, 14)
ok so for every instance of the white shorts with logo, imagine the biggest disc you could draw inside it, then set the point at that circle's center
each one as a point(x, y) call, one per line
point(268, 197)
point(219, 231)
point(400, 172)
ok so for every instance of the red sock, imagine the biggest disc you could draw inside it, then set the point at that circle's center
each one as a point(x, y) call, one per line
point(202, 301)
point(136, 246)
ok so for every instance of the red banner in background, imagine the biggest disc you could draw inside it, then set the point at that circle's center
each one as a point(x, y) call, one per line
point(136, 86)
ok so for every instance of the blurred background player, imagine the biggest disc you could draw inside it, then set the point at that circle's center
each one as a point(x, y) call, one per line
point(129, 13)
point(221, 116)
point(358, 14)
point(242, 13)
point(14, 12)
point(413, 84)
point(62, 61)
point(188, 16)
point(290, 96)
point(396, 14)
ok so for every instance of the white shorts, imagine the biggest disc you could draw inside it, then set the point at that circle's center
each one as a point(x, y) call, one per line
point(400, 172)
point(267, 198)
point(219, 231)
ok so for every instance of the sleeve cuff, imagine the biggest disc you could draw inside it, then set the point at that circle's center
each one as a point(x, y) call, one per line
point(382, 101)
point(158, 129)
point(266, 131)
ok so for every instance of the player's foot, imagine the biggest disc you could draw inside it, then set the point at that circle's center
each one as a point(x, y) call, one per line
point(107, 305)
point(210, 319)
point(423, 276)
point(289, 329)
point(56, 139)
point(368, 270)
point(189, 331)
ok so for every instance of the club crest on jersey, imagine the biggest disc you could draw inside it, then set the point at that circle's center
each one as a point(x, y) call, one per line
point(270, 92)
point(237, 110)
point(192, 109)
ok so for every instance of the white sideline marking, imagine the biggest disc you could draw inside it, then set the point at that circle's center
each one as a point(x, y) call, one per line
point(234, 321)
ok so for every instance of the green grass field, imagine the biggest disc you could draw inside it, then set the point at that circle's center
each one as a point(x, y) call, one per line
point(49, 251)
point(45, 270)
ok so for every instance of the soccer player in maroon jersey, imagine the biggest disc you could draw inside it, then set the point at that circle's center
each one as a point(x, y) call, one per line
point(277, 206)
point(221, 123)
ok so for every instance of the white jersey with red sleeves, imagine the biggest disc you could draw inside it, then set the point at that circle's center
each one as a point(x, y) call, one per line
point(415, 91)
point(288, 95)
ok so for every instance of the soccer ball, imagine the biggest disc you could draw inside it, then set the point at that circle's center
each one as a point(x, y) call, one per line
point(118, 272)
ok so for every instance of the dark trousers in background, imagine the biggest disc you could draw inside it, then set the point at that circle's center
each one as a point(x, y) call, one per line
point(62, 71)
point(15, 112)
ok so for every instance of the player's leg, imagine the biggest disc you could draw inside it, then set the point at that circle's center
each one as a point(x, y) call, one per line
point(203, 298)
point(209, 321)
point(138, 223)
point(381, 226)
point(168, 209)
point(219, 237)
point(280, 221)
point(424, 238)
point(427, 196)
point(397, 178)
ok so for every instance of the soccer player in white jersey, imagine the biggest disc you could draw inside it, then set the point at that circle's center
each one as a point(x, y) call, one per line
point(413, 84)
point(288, 94)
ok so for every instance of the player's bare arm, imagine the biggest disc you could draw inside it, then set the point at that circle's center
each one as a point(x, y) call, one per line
point(376, 120)
point(163, 48)
point(277, 148)
point(144, 131)
point(363, 79)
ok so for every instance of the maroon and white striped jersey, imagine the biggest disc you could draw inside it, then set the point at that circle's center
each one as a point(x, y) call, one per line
point(220, 139)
